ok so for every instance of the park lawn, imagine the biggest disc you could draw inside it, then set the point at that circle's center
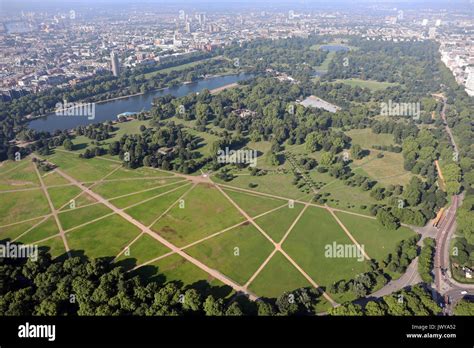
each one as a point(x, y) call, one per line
point(52, 178)
point(136, 198)
point(81, 201)
point(81, 169)
point(387, 170)
point(175, 68)
point(12, 232)
point(239, 264)
point(370, 84)
point(274, 184)
point(22, 205)
point(377, 240)
point(78, 216)
point(252, 204)
point(325, 64)
point(141, 172)
point(106, 237)
point(144, 249)
point(278, 276)
point(204, 146)
point(175, 268)
point(307, 242)
point(263, 149)
point(81, 142)
point(63, 194)
point(111, 189)
point(206, 211)
point(278, 222)
point(44, 230)
point(55, 246)
point(149, 211)
point(366, 138)
point(345, 197)
point(18, 175)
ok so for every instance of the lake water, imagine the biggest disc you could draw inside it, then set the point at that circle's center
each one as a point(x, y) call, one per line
point(109, 110)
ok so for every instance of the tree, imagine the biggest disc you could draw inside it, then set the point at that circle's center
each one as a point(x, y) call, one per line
point(464, 307)
point(68, 145)
point(213, 307)
point(327, 158)
point(387, 219)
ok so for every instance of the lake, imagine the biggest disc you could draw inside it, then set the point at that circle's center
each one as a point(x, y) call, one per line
point(109, 110)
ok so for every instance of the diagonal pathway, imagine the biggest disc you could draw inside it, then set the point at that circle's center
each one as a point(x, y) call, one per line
point(53, 210)
point(214, 273)
point(277, 246)
point(351, 237)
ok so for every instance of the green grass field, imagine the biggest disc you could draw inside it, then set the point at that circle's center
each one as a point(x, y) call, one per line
point(22, 205)
point(18, 175)
point(370, 84)
point(377, 240)
point(144, 249)
point(44, 230)
point(307, 242)
point(205, 211)
point(278, 276)
point(252, 204)
point(277, 223)
point(236, 253)
point(79, 216)
point(149, 211)
point(106, 237)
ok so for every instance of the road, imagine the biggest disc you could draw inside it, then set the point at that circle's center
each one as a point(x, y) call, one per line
point(444, 282)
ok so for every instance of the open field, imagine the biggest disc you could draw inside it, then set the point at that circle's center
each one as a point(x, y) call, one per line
point(236, 253)
point(206, 222)
point(377, 240)
point(278, 276)
point(316, 230)
point(106, 237)
point(205, 211)
point(370, 84)
point(18, 175)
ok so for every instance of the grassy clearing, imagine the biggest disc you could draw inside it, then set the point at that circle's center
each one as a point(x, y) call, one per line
point(62, 195)
point(278, 276)
point(18, 175)
point(149, 211)
point(114, 189)
point(254, 205)
point(79, 216)
point(307, 242)
point(277, 223)
point(175, 268)
point(175, 68)
point(342, 196)
point(124, 173)
point(52, 178)
point(370, 84)
point(22, 205)
point(81, 201)
point(55, 246)
point(12, 232)
point(366, 138)
point(239, 264)
point(44, 230)
point(275, 184)
point(205, 211)
point(140, 197)
point(142, 250)
point(106, 237)
point(378, 240)
point(92, 169)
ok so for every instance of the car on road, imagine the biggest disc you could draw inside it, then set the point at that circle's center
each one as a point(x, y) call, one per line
point(463, 292)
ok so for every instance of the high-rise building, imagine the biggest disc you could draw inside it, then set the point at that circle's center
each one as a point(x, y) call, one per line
point(115, 63)
point(188, 27)
point(202, 18)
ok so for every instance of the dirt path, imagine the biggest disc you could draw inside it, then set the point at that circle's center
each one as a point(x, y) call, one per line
point(214, 273)
point(53, 210)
